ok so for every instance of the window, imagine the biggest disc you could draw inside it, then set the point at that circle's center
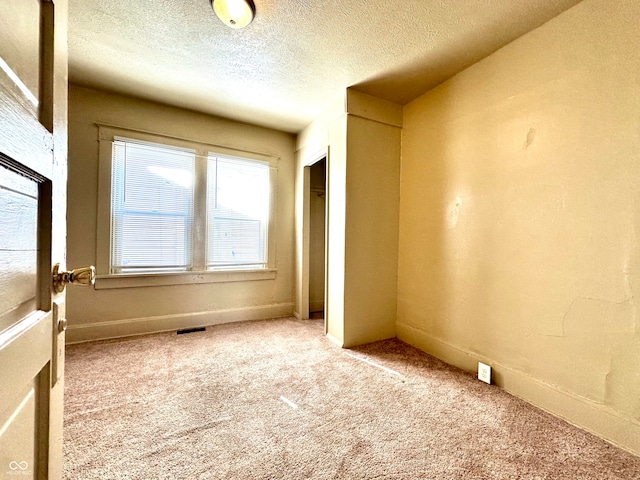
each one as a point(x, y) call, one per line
point(173, 211)
point(237, 213)
point(151, 207)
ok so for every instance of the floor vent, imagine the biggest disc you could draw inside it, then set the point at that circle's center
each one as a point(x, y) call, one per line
point(191, 330)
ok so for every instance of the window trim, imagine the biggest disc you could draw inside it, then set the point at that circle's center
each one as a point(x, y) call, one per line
point(106, 135)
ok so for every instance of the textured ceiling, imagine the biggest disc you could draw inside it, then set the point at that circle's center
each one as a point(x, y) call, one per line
point(297, 55)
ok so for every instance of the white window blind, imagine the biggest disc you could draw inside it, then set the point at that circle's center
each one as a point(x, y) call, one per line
point(152, 207)
point(237, 213)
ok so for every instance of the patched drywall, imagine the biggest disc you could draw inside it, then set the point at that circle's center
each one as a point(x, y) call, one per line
point(519, 218)
point(122, 311)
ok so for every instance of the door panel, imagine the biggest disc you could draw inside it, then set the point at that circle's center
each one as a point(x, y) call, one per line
point(20, 47)
point(19, 418)
point(25, 350)
point(33, 142)
point(26, 322)
point(18, 245)
point(26, 138)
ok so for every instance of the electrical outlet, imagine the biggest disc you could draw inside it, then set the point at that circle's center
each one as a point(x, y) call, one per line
point(484, 373)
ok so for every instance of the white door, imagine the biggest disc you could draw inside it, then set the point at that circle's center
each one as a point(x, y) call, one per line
point(33, 71)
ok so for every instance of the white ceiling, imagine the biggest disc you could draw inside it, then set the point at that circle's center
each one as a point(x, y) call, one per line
point(297, 55)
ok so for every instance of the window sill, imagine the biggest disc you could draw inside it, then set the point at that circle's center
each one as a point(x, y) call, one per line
point(181, 278)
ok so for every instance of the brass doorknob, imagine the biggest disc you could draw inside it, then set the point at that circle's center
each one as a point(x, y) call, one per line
point(78, 276)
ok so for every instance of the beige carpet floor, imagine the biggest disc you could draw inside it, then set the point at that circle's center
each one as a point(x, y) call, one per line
point(276, 400)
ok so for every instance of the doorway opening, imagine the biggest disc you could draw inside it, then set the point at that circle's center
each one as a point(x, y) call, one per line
point(317, 238)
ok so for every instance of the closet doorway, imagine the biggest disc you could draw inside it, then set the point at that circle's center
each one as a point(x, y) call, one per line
point(317, 238)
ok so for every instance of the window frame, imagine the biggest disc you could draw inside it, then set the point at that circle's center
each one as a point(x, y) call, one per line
point(119, 211)
point(199, 272)
point(219, 162)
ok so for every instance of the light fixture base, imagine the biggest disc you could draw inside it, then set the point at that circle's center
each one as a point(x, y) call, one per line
point(234, 13)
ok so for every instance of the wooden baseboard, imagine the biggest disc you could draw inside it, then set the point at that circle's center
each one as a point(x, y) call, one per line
point(595, 418)
point(145, 325)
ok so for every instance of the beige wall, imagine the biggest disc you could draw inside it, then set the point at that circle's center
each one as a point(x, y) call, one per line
point(122, 311)
point(373, 195)
point(519, 218)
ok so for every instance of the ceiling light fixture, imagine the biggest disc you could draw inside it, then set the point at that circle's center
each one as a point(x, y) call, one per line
point(234, 13)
